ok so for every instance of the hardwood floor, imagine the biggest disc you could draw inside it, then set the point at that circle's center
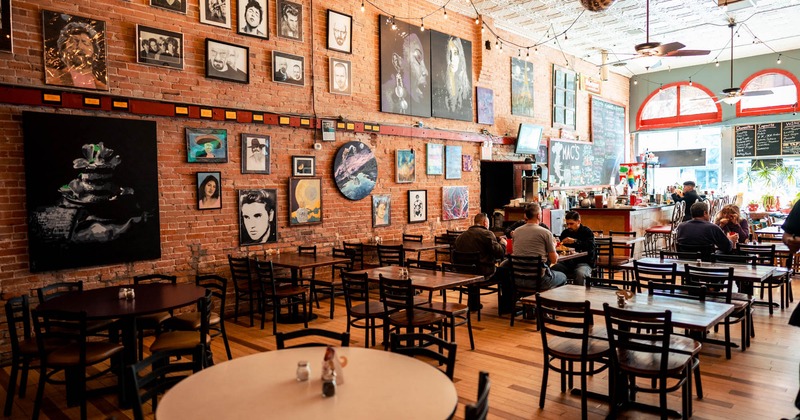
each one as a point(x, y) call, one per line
point(759, 383)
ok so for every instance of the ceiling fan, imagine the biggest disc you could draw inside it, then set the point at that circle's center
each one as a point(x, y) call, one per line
point(734, 94)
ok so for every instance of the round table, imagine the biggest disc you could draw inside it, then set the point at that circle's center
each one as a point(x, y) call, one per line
point(378, 385)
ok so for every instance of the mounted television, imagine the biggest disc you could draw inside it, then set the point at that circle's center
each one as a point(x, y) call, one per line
point(528, 139)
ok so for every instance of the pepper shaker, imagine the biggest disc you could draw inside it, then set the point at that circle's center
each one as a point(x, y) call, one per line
point(329, 384)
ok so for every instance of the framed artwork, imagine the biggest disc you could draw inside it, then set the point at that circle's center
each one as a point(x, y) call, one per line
point(451, 81)
point(255, 153)
point(209, 190)
point(485, 105)
point(158, 47)
point(6, 41)
point(417, 206)
point(288, 68)
point(521, 87)
point(172, 5)
point(406, 167)
point(435, 162)
point(328, 130)
point(216, 13)
point(340, 30)
point(227, 61)
point(207, 145)
point(355, 170)
point(64, 63)
point(466, 163)
point(452, 164)
point(303, 166)
point(455, 203)
point(405, 73)
point(305, 201)
point(253, 18)
point(257, 216)
point(290, 20)
point(90, 204)
point(381, 210)
point(340, 76)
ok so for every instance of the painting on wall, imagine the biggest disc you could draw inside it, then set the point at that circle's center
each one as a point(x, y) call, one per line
point(257, 216)
point(466, 163)
point(206, 145)
point(255, 153)
point(406, 166)
point(405, 75)
point(253, 18)
point(172, 5)
point(340, 30)
point(381, 210)
point(485, 105)
point(209, 190)
point(288, 68)
point(435, 161)
point(355, 170)
point(67, 59)
point(521, 87)
point(305, 201)
point(417, 206)
point(340, 76)
point(451, 81)
point(303, 166)
point(227, 61)
point(455, 203)
point(92, 197)
point(158, 47)
point(452, 162)
point(290, 20)
point(216, 13)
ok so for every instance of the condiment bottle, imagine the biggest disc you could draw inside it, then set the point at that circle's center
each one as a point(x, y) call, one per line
point(303, 371)
point(329, 384)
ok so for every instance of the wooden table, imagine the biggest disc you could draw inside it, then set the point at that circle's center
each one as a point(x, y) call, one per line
point(378, 385)
point(741, 272)
point(295, 263)
point(428, 280)
point(770, 230)
point(408, 246)
point(570, 256)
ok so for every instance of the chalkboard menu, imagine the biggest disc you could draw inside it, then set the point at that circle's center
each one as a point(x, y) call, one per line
point(745, 140)
point(768, 139)
point(790, 140)
point(771, 139)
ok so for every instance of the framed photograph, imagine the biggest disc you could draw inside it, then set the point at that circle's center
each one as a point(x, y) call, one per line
point(257, 216)
point(435, 161)
point(303, 166)
point(452, 162)
point(417, 206)
point(328, 130)
point(455, 203)
point(227, 61)
point(206, 145)
point(406, 167)
point(405, 68)
point(290, 20)
point(288, 68)
point(521, 87)
point(216, 13)
point(381, 210)
point(340, 76)
point(63, 60)
point(305, 201)
point(158, 47)
point(340, 30)
point(466, 163)
point(6, 41)
point(255, 154)
point(171, 5)
point(209, 190)
point(253, 18)
point(485, 105)
point(451, 77)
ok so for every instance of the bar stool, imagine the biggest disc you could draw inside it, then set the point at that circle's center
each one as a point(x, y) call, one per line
point(653, 234)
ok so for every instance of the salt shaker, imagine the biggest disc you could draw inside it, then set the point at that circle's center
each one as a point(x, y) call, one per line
point(329, 384)
point(699, 262)
point(303, 371)
point(123, 292)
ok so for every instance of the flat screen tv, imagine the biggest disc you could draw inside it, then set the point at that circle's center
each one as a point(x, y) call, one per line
point(528, 139)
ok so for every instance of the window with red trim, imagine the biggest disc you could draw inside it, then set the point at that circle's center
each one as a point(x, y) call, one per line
point(784, 97)
point(678, 105)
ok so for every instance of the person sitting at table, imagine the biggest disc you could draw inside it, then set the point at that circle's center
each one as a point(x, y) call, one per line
point(729, 220)
point(532, 240)
point(701, 232)
point(509, 231)
point(688, 196)
point(580, 237)
point(478, 238)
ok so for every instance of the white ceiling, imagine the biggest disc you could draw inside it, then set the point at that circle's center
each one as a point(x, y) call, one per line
point(765, 27)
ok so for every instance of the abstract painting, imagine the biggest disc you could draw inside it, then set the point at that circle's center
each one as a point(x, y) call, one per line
point(257, 216)
point(406, 166)
point(451, 81)
point(466, 161)
point(455, 203)
point(405, 75)
point(305, 201)
point(485, 105)
point(355, 170)
point(452, 162)
point(381, 210)
point(521, 87)
point(417, 206)
point(435, 159)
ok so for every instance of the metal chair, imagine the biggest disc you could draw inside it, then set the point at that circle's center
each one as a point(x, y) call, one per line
point(341, 339)
point(329, 286)
point(153, 321)
point(524, 269)
point(187, 341)
point(391, 255)
point(646, 272)
point(244, 285)
point(278, 296)
point(156, 374)
point(448, 359)
point(413, 238)
point(358, 253)
point(480, 408)
point(360, 306)
point(401, 309)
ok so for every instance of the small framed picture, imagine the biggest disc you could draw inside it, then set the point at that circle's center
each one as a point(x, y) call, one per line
point(253, 18)
point(303, 166)
point(340, 29)
point(290, 20)
point(466, 163)
point(485, 105)
point(61, 33)
point(255, 154)
point(381, 210)
point(452, 162)
point(216, 13)
point(435, 159)
point(288, 68)
point(171, 5)
point(227, 61)
point(417, 206)
point(305, 201)
point(207, 145)
point(257, 216)
point(6, 43)
point(209, 190)
point(340, 76)
point(406, 166)
point(328, 130)
point(158, 47)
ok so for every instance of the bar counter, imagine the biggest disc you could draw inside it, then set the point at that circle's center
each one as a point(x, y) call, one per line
point(626, 218)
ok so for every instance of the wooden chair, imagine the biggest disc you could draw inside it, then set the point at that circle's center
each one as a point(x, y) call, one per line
point(603, 257)
point(278, 296)
point(401, 311)
point(646, 272)
point(329, 286)
point(480, 408)
point(621, 253)
point(187, 341)
point(360, 306)
point(391, 255)
point(358, 253)
point(244, 285)
point(448, 359)
point(156, 374)
point(342, 339)
point(153, 321)
point(527, 269)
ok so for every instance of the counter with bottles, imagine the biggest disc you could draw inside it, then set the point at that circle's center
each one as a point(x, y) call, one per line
point(626, 218)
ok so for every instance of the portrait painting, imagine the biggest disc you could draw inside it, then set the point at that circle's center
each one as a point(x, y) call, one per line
point(288, 68)
point(216, 13)
point(355, 170)
point(227, 62)
point(328, 130)
point(521, 87)
point(455, 203)
point(340, 76)
point(258, 219)
point(255, 153)
point(417, 206)
point(466, 163)
point(435, 162)
point(303, 166)
point(290, 20)
point(452, 162)
point(253, 18)
point(209, 190)
point(451, 81)
point(158, 47)
point(381, 210)
point(305, 201)
point(171, 5)
point(92, 197)
point(206, 145)
point(406, 166)
point(74, 51)
point(6, 41)
point(340, 32)
point(485, 105)
point(404, 65)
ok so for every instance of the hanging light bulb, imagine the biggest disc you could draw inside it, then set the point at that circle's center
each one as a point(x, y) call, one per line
point(422, 26)
point(394, 25)
point(690, 81)
point(528, 54)
point(565, 36)
point(501, 46)
point(497, 43)
point(661, 87)
point(519, 52)
point(716, 63)
point(445, 12)
point(477, 20)
point(779, 58)
point(635, 82)
point(483, 28)
point(362, 6)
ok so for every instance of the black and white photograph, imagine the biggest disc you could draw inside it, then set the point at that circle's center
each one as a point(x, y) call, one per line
point(74, 51)
point(288, 68)
point(255, 154)
point(257, 216)
point(417, 206)
point(172, 5)
point(227, 61)
point(209, 190)
point(451, 82)
point(303, 166)
point(253, 18)
point(158, 47)
point(405, 72)
point(216, 13)
point(6, 42)
point(340, 32)
point(340, 76)
point(290, 20)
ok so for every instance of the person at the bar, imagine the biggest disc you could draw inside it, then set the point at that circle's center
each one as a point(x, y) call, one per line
point(688, 196)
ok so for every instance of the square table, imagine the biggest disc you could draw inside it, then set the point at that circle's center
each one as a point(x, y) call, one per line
point(296, 262)
point(428, 280)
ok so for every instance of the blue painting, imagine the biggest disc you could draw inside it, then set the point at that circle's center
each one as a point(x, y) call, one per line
point(452, 162)
point(355, 170)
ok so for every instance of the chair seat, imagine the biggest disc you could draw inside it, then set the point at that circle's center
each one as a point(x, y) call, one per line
point(644, 364)
point(566, 348)
point(177, 340)
point(375, 310)
point(152, 321)
point(420, 317)
point(445, 307)
point(603, 261)
point(663, 229)
point(31, 348)
point(188, 321)
point(289, 290)
point(70, 355)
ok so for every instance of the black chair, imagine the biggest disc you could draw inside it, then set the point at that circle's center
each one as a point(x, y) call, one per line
point(704, 250)
point(417, 345)
point(156, 374)
point(342, 339)
point(310, 250)
point(423, 264)
point(391, 255)
point(153, 321)
point(603, 257)
point(621, 253)
point(360, 306)
point(397, 296)
point(677, 255)
point(102, 328)
point(614, 284)
point(480, 409)
point(457, 313)
point(329, 286)
point(413, 238)
point(244, 285)
point(486, 287)
point(454, 233)
point(358, 253)
point(187, 341)
point(765, 255)
point(529, 270)
point(443, 253)
point(278, 296)
point(660, 272)
point(23, 347)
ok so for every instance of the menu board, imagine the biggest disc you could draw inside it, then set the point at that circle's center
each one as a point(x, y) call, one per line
point(768, 139)
point(577, 164)
point(745, 145)
point(790, 138)
point(771, 139)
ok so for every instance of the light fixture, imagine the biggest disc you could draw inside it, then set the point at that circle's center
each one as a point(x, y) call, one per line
point(483, 28)
point(519, 52)
point(501, 46)
point(779, 58)
point(528, 53)
point(661, 87)
point(445, 12)
point(732, 100)
point(477, 20)
point(394, 25)
point(635, 82)
point(690, 81)
point(497, 43)
point(422, 25)
point(362, 6)
point(716, 63)
point(565, 36)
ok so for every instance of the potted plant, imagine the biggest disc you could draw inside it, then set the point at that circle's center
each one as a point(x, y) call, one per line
point(752, 206)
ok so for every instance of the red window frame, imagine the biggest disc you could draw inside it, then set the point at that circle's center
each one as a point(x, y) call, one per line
point(769, 110)
point(678, 120)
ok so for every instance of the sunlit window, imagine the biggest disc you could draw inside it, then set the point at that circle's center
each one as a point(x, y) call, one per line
point(784, 96)
point(706, 174)
point(677, 105)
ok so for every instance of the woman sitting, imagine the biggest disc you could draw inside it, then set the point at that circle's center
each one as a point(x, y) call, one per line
point(729, 219)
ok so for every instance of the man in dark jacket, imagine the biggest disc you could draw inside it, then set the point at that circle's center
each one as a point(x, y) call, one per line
point(478, 238)
point(700, 232)
point(580, 237)
point(689, 196)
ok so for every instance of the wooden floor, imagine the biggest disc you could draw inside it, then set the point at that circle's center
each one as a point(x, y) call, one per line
point(759, 383)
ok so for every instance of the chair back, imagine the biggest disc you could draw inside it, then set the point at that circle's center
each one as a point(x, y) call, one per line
point(343, 339)
point(659, 272)
point(155, 278)
point(627, 250)
point(480, 409)
point(613, 284)
point(396, 295)
point(683, 291)
point(241, 273)
point(717, 280)
point(644, 333)
point(412, 238)
point(265, 276)
point(156, 374)
point(460, 268)
point(745, 259)
point(356, 290)
point(527, 269)
point(677, 214)
point(444, 253)
point(50, 291)
point(704, 250)
point(60, 326)
point(425, 341)
point(18, 317)
point(764, 254)
point(347, 266)
point(678, 255)
point(216, 285)
point(425, 265)
point(603, 251)
point(466, 258)
point(358, 256)
point(565, 322)
point(390, 255)
point(454, 232)
point(307, 250)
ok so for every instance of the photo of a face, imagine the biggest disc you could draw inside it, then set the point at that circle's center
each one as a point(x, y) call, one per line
point(417, 206)
point(208, 145)
point(253, 18)
point(340, 27)
point(381, 210)
point(74, 51)
point(255, 153)
point(227, 61)
point(158, 47)
point(405, 75)
point(215, 12)
point(290, 20)
point(209, 190)
point(257, 218)
point(340, 76)
point(288, 68)
point(451, 84)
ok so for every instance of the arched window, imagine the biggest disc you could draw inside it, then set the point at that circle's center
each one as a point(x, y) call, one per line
point(784, 98)
point(678, 105)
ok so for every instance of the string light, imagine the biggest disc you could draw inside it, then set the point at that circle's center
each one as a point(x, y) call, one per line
point(497, 43)
point(478, 20)
point(779, 58)
point(501, 46)
point(362, 6)
point(483, 28)
point(528, 54)
point(519, 52)
point(661, 87)
point(716, 63)
point(690, 81)
point(445, 12)
point(635, 82)
point(422, 26)
point(394, 25)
